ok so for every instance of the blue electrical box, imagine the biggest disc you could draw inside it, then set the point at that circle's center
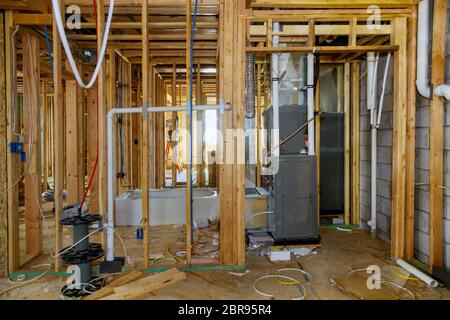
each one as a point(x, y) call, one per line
point(16, 147)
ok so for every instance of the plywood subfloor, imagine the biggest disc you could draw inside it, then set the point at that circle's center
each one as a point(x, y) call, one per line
point(340, 252)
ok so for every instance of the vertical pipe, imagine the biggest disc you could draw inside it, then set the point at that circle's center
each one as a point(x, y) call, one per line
point(371, 105)
point(275, 94)
point(311, 125)
point(111, 188)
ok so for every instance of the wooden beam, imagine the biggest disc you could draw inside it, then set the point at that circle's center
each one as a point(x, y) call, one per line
point(145, 134)
point(411, 136)
point(92, 146)
point(74, 178)
point(12, 160)
point(32, 134)
point(58, 109)
point(200, 125)
point(355, 118)
point(102, 111)
point(399, 37)
point(188, 143)
point(174, 124)
point(437, 137)
point(347, 144)
point(3, 155)
point(324, 50)
point(331, 4)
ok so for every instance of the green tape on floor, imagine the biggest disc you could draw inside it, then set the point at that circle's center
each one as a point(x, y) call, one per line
point(344, 226)
point(156, 270)
point(35, 274)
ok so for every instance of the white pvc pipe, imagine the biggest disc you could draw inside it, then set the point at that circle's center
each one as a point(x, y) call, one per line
point(443, 90)
point(311, 125)
point(383, 90)
point(65, 43)
point(423, 45)
point(275, 94)
point(112, 163)
point(416, 272)
point(371, 105)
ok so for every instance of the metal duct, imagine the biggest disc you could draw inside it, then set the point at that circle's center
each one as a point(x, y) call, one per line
point(250, 86)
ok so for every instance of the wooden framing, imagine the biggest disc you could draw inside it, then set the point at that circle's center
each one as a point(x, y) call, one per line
point(74, 177)
point(347, 144)
point(355, 114)
point(157, 46)
point(12, 160)
point(145, 135)
point(437, 137)
point(92, 146)
point(101, 120)
point(411, 136)
point(189, 139)
point(3, 156)
point(32, 146)
point(399, 37)
point(58, 139)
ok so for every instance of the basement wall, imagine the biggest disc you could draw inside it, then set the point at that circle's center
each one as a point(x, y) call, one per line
point(422, 164)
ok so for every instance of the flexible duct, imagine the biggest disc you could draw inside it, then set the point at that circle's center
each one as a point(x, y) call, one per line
point(250, 86)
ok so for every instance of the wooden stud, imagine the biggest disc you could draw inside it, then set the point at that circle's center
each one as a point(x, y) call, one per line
point(58, 109)
point(200, 124)
point(3, 155)
point(347, 128)
point(258, 124)
point(399, 141)
point(174, 117)
point(437, 137)
point(355, 143)
point(92, 147)
point(74, 177)
point(102, 111)
point(145, 135)
point(188, 143)
point(32, 136)
point(13, 163)
point(411, 136)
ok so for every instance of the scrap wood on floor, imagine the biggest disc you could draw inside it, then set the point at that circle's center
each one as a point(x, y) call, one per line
point(134, 285)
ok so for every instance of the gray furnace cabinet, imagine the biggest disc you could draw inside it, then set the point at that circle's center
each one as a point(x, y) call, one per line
point(294, 200)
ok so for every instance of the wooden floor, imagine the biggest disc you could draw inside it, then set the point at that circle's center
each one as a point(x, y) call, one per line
point(339, 253)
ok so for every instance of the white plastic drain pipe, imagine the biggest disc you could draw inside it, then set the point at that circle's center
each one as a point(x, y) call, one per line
point(372, 66)
point(423, 56)
point(112, 163)
point(65, 43)
point(419, 274)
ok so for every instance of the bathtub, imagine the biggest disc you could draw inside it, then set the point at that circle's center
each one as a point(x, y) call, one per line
point(167, 206)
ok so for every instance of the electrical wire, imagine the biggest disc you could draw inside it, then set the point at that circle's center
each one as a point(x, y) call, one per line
point(23, 283)
point(63, 37)
point(277, 276)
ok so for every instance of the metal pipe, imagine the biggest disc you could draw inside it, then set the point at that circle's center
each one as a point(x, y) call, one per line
point(311, 125)
point(275, 134)
point(111, 158)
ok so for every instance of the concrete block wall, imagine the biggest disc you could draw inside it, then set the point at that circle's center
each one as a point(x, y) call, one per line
point(384, 154)
point(422, 164)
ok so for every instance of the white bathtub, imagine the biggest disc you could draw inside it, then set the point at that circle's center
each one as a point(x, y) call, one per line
point(167, 206)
